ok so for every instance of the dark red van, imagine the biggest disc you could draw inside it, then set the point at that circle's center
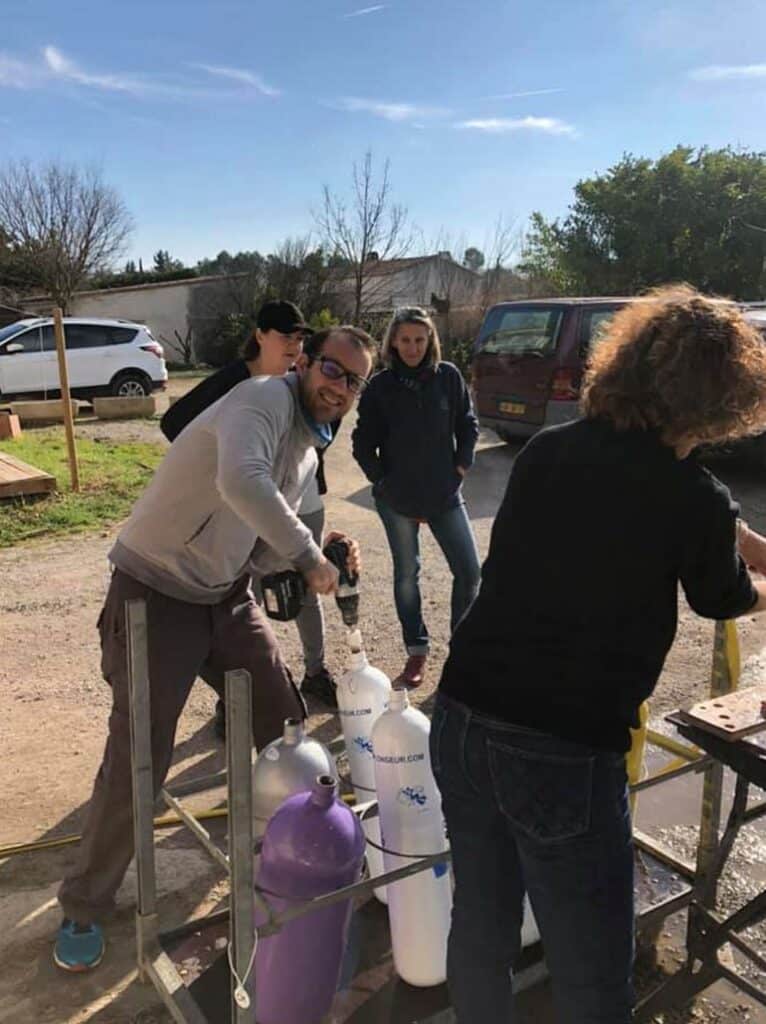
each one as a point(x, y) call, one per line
point(529, 358)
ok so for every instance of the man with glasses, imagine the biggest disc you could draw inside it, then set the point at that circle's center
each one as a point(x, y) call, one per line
point(224, 497)
point(278, 338)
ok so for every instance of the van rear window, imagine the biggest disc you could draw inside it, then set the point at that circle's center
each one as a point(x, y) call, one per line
point(521, 331)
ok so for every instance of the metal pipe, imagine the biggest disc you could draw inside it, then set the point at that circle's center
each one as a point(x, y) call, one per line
point(195, 925)
point(204, 782)
point(669, 906)
point(239, 745)
point(194, 826)
point(748, 951)
point(142, 777)
point(663, 854)
point(169, 984)
point(741, 983)
point(669, 773)
point(754, 813)
point(349, 892)
point(658, 739)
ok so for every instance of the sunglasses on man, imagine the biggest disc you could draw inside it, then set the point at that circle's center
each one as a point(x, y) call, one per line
point(333, 370)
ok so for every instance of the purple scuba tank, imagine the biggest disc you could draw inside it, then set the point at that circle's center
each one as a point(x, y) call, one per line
point(313, 845)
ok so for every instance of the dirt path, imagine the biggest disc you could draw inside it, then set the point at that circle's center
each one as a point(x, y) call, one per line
point(54, 706)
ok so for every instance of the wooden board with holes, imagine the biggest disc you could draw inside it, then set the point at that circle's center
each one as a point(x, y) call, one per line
point(17, 477)
point(732, 716)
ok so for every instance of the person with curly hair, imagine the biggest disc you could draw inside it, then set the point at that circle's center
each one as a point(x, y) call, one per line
point(601, 521)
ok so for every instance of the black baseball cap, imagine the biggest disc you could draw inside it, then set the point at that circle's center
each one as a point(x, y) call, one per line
point(280, 315)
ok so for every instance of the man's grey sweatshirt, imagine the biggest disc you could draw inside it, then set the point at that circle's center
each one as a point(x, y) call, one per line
point(233, 477)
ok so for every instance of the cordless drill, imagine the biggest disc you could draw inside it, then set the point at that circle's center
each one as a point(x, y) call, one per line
point(284, 592)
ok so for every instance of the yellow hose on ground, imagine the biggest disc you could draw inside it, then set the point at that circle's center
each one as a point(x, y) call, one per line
point(166, 821)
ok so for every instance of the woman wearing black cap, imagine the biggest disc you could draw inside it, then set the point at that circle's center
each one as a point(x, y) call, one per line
point(271, 350)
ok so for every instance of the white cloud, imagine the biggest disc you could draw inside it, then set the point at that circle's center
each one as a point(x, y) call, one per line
point(500, 125)
point(244, 77)
point(62, 67)
point(55, 66)
point(390, 111)
point(519, 95)
point(360, 13)
point(723, 72)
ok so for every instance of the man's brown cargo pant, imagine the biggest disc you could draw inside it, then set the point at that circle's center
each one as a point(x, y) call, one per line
point(182, 637)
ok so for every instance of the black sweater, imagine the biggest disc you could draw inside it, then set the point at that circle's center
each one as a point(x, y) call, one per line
point(411, 435)
point(578, 602)
point(210, 390)
point(200, 397)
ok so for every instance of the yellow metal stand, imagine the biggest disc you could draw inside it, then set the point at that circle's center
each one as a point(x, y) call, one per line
point(724, 678)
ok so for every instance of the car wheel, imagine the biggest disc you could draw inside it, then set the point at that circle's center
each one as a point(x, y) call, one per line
point(131, 385)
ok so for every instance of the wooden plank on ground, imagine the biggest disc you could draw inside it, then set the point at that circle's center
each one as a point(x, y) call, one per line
point(17, 477)
point(732, 716)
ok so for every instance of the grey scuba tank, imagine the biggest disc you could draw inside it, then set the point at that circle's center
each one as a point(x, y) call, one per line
point(287, 766)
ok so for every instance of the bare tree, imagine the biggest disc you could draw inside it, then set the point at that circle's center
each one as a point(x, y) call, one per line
point(183, 345)
point(456, 284)
point(363, 231)
point(19, 273)
point(73, 223)
point(298, 271)
point(224, 310)
point(500, 248)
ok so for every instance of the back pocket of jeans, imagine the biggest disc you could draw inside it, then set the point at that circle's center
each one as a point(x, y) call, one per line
point(545, 796)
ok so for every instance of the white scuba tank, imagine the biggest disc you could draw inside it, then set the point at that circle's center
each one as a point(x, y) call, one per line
point(419, 907)
point(363, 694)
point(284, 767)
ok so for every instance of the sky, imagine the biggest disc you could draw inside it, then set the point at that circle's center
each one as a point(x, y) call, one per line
point(219, 122)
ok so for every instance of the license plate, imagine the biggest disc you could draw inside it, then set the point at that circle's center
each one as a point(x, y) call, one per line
point(514, 408)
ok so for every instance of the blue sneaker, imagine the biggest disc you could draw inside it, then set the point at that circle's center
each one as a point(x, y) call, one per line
point(79, 947)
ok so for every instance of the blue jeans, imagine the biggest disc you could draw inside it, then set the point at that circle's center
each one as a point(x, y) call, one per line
point(452, 532)
point(529, 812)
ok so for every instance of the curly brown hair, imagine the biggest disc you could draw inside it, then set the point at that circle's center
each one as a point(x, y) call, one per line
point(686, 365)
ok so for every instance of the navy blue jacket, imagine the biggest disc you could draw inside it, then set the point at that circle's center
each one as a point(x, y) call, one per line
point(410, 437)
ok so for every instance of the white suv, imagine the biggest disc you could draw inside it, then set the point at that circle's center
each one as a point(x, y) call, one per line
point(104, 357)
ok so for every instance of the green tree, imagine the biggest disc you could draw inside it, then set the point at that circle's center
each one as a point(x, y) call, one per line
point(322, 319)
point(689, 215)
point(543, 262)
point(250, 262)
point(164, 262)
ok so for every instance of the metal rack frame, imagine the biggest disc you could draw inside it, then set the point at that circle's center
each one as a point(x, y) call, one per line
point(707, 931)
point(156, 966)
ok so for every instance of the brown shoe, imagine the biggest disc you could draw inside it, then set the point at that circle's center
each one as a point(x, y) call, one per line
point(413, 672)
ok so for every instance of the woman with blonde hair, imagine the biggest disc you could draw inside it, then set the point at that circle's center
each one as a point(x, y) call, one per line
point(414, 440)
point(601, 521)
